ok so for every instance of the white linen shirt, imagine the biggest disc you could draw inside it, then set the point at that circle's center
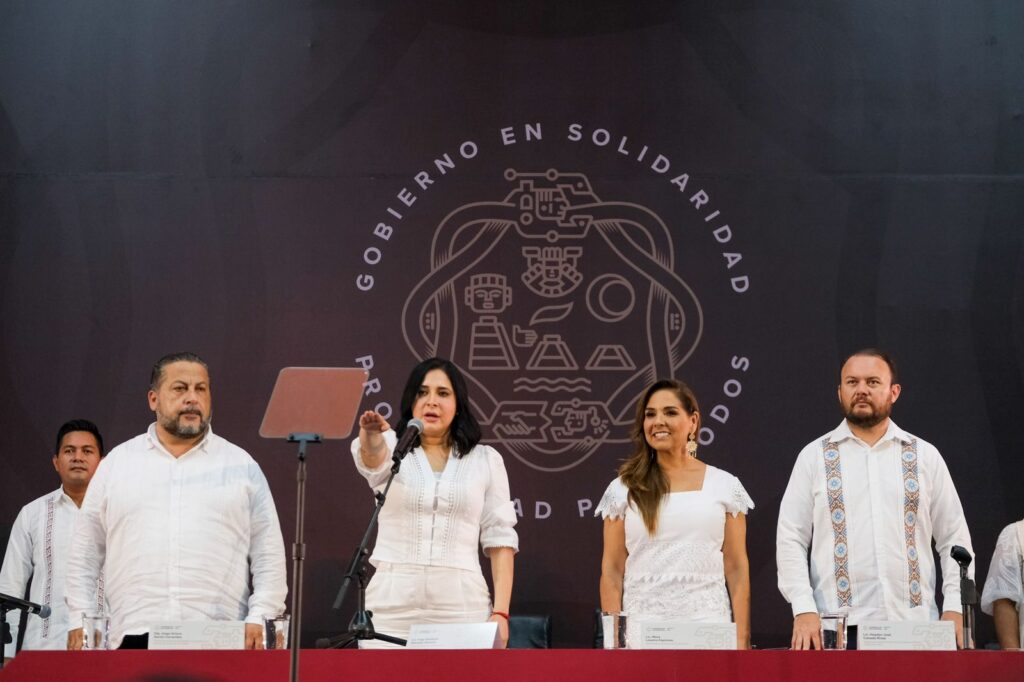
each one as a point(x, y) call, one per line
point(38, 550)
point(1005, 578)
point(873, 492)
point(178, 537)
point(438, 521)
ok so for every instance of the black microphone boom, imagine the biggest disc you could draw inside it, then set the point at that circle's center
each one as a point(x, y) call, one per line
point(961, 555)
point(968, 593)
point(412, 431)
point(42, 610)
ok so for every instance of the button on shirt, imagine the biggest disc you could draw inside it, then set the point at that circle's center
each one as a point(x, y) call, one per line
point(177, 537)
point(873, 494)
point(38, 550)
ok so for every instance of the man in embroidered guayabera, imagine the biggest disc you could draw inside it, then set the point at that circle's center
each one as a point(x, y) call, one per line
point(1003, 595)
point(41, 537)
point(181, 521)
point(863, 505)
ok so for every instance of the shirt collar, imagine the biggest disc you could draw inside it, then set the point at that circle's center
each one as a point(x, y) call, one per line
point(892, 432)
point(153, 441)
point(61, 497)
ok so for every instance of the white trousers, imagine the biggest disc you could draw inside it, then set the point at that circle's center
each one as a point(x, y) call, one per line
point(400, 595)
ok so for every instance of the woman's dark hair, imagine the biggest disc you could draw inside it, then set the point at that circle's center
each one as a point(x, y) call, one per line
point(641, 475)
point(464, 431)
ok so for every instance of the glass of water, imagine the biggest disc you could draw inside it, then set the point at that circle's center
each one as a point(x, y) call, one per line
point(613, 629)
point(833, 631)
point(95, 631)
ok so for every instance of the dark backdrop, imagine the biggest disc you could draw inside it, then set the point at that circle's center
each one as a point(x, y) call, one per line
point(213, 176)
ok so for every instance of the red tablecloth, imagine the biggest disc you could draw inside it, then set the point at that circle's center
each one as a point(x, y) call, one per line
point(560, 665)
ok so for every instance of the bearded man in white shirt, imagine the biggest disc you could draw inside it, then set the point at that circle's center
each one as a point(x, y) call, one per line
point(177, 518)
point(41, 537)
point(860, 512)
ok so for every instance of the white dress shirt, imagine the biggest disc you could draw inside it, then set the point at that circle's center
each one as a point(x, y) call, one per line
point(876, 549)
point(438, 521)
point(178, 537)
point(1005, 578)
point(38, 549)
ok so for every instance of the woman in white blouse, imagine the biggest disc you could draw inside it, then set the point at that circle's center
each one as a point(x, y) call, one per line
point(674, 527)
point(1003, 595)
point(450, 493)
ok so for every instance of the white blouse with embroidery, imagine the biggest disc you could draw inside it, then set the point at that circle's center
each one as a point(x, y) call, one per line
point(1005, 578)
point(438, 521)
point(678, 572)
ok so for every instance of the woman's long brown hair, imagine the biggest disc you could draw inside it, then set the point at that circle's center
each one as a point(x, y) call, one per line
point(640, 473)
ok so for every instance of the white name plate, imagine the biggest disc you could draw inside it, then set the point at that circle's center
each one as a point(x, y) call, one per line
point(198, 634)
point(675, 634)
point(939, 635)
point(453, 636)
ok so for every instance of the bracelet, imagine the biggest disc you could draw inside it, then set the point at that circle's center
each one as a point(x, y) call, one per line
point(500, 613)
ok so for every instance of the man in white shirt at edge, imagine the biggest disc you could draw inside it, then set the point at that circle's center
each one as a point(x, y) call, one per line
point(41, 537)
point(863, 504)
point(177, 518)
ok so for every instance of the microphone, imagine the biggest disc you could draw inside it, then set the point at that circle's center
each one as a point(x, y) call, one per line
point(961, 556)
point(42, 610)
point(412, 431)
point(968, 593)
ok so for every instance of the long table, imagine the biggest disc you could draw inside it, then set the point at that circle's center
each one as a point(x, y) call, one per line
point(560, 665)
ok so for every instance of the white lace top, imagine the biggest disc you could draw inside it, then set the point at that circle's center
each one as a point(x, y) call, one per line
point(678, 572)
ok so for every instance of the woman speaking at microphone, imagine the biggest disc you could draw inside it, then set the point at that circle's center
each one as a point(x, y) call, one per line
point(450, 493)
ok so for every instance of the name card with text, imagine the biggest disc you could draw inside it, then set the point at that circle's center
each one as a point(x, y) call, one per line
point(453, 636)
point(903, 635)
point(674, 634)
point(198, 634)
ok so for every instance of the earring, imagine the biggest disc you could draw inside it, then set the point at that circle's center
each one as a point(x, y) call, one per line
point(691, 446)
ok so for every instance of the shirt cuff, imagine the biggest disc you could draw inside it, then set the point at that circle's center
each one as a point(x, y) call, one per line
point(500, 537)
point(374, 475)
point(502, 545)
point(991, 594)
point(951, 602)
point(367, 471)
point(75, 619)
point(804, 605)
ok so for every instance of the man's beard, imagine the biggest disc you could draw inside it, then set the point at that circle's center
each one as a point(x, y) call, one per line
point(866, 420)
point(174, 426)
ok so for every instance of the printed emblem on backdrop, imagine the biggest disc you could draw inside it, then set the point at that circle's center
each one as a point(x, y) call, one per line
point(560, 307)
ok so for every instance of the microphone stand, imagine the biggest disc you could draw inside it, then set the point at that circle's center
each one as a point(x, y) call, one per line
point(5, 631)
point(968, 600)
point(361, 626)
point(9, 603)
